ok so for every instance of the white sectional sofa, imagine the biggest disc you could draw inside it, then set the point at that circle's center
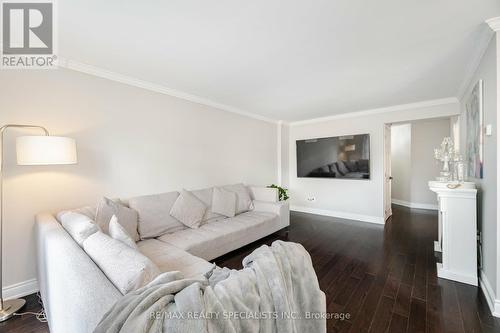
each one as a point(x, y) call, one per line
point(75, 291)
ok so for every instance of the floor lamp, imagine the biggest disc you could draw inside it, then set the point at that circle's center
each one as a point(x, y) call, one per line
point(31, 150)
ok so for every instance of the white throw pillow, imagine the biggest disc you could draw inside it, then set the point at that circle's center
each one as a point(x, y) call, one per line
point(243, 199)
point(188, 209)
point(119, 233)
point(224, 202)
point(127, 217)
point(154, 214)
point(125, 267)
point(79, 226)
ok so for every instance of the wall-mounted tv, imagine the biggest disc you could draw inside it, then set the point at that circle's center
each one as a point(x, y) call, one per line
point(344, 157)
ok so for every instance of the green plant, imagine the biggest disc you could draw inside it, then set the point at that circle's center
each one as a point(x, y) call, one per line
point(282, 192)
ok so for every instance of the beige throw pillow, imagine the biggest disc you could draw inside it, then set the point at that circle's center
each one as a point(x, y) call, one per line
point(188, 209)
point(224, 202)
point(119, 233)
point(127, 217)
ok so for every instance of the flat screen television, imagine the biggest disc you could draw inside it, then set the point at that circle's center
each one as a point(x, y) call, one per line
point(344, 157)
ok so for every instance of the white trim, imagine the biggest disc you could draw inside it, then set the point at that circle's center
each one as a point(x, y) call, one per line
point(482, 47)
point(451, 275)
point(342, 215)
point(414, 204)
point(135, 82)
point(489, 294)
point(131, 81)
point(401, 107)
point(20, 289)
point(494, 23)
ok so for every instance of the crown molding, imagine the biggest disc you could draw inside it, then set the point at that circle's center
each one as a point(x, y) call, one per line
point(494, 23)
point(131, 81)
point(483, 43)
point(400, 107)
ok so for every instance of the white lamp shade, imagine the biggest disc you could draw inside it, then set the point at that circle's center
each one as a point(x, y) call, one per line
point(45, 150)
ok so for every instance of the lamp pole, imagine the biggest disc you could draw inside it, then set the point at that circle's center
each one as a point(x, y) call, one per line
point(7, 308)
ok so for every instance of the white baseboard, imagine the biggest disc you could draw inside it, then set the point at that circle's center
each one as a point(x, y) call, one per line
point(455, 276)
point(489, 294)
point(20, 289)
point(414, 204)
point(342, 215)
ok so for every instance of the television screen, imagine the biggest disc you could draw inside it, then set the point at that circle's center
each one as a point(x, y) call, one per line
point(346, 157)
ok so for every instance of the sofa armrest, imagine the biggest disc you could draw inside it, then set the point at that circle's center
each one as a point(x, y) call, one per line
point(262, 193)
point(75, 292)
point(281, 208)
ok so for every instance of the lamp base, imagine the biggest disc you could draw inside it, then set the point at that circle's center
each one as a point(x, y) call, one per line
point(10, 307)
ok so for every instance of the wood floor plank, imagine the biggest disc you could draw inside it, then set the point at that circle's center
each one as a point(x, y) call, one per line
point(391, 287)
point(434, 309)
point(467, 300)
point(402, 305)
point(367, 312)
point(420, 287)
point(358, 298)
point(382, 315)
point(452, 317)
point(399, 324)
point(348, 289)
point(417, 319)
point(408, 274)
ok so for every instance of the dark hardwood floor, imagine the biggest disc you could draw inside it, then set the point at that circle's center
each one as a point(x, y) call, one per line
point(384, 278)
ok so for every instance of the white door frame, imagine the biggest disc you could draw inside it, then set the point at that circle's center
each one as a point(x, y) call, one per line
point(387, 172)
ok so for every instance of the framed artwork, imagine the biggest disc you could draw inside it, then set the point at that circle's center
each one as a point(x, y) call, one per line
point(474, 132)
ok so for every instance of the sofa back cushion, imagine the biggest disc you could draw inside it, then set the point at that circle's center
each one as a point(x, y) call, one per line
point(341, 166)
point(189, 209)
point(243, 199)
point(154, 214)
point(78, 226)
point(364, 165)
point(125, 267)
point(224, 202)
point(86, 210)
point(206, 196)
point(352, 166)
point(127, 217)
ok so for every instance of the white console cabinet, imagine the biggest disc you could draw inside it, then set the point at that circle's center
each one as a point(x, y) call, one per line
point(457, 231)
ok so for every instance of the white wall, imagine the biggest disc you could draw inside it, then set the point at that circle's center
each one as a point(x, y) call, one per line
point(356, 199)
point(425, 136)
point(413, 163)
point(130, 142)
point(487, 186)
point(285, 166)
point(401, 162)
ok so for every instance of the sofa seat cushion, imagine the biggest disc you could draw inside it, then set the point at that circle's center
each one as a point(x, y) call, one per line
point(214, 239)
point(170, 258)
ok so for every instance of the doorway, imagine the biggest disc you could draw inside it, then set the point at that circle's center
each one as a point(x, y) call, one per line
point(409, 162)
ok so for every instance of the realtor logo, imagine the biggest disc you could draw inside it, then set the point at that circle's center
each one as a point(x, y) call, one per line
point(28, 34)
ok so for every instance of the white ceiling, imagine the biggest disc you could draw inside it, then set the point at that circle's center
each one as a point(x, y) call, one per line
point(288, 60)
